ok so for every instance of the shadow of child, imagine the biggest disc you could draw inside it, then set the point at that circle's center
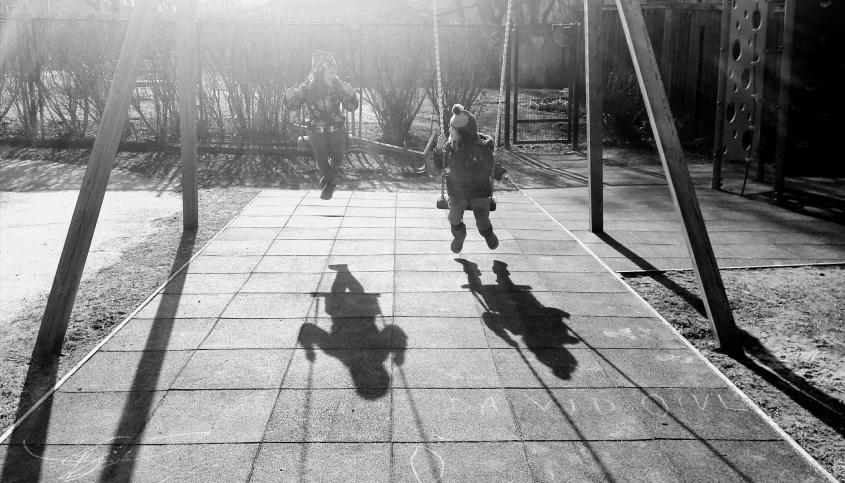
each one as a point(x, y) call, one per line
point(354, 337)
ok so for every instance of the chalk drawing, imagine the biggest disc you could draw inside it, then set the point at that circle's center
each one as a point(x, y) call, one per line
point(625, 333)
point(414, 468)
point(732, 409)
point(490, 403)
point(675, 358)
point(543, 407)
point(605, 407)
point(458, 405)
point(662, 404)
point(90, 460)
point(701, 406)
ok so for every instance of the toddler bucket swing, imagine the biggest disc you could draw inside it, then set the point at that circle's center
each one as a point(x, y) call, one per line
point(498, 170)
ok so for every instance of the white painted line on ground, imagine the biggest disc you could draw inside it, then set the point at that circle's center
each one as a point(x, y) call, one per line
point(812, 461)
point(114, 331)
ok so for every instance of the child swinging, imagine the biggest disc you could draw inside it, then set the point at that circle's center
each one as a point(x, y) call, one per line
point(323, 95)
point(468, 155)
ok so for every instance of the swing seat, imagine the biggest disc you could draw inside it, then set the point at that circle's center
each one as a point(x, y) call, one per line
point(443, 204)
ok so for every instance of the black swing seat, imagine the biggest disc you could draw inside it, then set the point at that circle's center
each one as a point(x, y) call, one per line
point(443, 204)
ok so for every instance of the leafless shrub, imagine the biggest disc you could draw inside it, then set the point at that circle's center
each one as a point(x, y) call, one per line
point(470, 59)
point(156, 99)
point(396, 72)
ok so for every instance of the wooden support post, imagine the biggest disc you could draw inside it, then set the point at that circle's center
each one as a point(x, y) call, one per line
point(84, 221)
point(683, 193)
point(187, 52)
point(783, 99)
point(594, 80)
point(721, 95)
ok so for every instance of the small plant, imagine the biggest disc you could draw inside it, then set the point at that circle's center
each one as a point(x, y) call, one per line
point(624, 114)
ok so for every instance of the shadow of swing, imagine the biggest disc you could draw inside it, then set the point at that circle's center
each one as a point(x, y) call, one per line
point(514, 314)
point(354, 337)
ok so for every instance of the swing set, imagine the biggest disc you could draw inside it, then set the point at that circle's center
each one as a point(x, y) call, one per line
point(86, 213)
point(497, 171)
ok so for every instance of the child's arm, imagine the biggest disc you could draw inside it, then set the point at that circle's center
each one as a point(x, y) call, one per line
point(440, 151)
point(350, 98)
point(294, 98)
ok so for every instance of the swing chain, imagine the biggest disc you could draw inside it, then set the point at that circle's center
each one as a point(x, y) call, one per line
point(502, 77)
point(440, 97)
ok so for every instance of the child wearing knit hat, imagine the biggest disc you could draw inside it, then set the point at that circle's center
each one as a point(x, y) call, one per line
point(468, 155)
point(323, 96)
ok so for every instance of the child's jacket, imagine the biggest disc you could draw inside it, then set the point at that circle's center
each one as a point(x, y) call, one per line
point(470, 167)
point(322, 111)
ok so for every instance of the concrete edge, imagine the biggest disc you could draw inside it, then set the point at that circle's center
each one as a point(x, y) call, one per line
point(786, 437)
point(114, 331)
point(749, 267)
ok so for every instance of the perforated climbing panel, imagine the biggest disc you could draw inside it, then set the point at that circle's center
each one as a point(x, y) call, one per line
point(744, 92)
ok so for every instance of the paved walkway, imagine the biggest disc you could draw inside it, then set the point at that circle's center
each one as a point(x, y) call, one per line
point(342, 341)
point(641, 225)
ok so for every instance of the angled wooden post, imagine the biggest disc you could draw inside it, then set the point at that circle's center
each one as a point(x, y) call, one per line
point(187, 52)
point(84, 221)
point(680, 185)
point(593, 63)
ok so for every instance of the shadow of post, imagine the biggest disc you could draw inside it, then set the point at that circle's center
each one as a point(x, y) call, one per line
point(142, 395)
point(25, 456)
point(23, 462)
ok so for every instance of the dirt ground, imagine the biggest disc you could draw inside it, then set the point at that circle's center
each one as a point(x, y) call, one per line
point(793, 319)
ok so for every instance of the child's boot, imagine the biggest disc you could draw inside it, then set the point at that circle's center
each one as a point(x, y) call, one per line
point(459, 231)
point(490, 237)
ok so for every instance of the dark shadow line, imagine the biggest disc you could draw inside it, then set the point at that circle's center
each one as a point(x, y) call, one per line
point(139, 401)
point(642, 390)
point(24, 461)
point(605, 471)
point(646, 172)
point(779, 376)
point(656, 273)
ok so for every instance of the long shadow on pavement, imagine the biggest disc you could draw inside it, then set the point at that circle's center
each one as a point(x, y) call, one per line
point(764, 364)
point(513, 309)
point(139, 404)
point(23, 462)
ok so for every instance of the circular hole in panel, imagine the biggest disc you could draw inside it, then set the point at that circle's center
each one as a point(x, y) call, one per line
point(756, 57)
point(730, 112)
point(737, 25)
point(746, 140)
point(725, 150)
point(756, 19)
point(742, 107)
point(750, 41)
point(734, 133)
point(730, 73)
point(736, 87)
point(733, 3)
point(745, 14)
point(736, 50)
point(746, 78)
point(749, 117)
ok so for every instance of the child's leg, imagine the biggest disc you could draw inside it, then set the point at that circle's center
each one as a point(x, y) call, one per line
point(456, 217)
point(319, 142)
point(481, 210)
point(337, 146)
